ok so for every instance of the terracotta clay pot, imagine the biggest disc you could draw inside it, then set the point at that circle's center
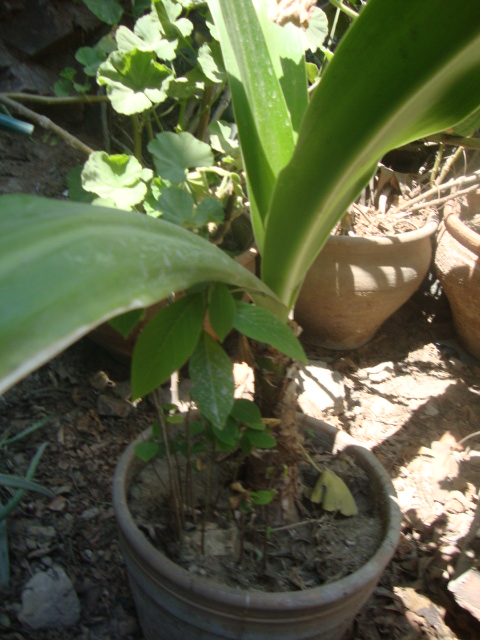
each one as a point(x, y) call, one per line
point(356, 283)
point(173, 603)
point(122, 348)
point(457, 264)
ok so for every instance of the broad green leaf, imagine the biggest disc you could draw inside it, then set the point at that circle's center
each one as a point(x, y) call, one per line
point(229, 434)
point(468, 126)
point(262, 325)
point(67, 267)
point(187, 86)
point(176, 205)
point(222, 138)
point(263, 113)
point(260, 439)
point(108, 11)
point(248, 412)
point(125, 323)
point(196, 428)
point(211, 373)
point(134, 80)
point(211, 63)
point(209, 210)
point(91, 58)
point(75, 190)
point(221, 311)
point(166, 343)
point(333, 494)
point(147, 36)
point(174, 153)
point(120, 178)
point(343, 135)
point(173, 26)
point(146, 451)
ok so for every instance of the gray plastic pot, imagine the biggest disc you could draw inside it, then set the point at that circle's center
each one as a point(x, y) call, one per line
point(173, 604)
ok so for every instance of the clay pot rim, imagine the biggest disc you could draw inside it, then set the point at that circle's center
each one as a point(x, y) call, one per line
point(428, 229)
point(459, 230)
point(236, 598)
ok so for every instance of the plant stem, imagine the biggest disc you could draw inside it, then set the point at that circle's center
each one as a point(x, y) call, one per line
point(137, 137)
point(449, 164)
point(46, 123)
point(171, 475)
point(436, 166)
point(55, 100)
point(455, 141)
point(208, 495)
point(351, 13)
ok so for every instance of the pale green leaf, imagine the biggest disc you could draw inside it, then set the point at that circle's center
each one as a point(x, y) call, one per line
point(174, 153)
point(262, 497)
point(314, 36)
point(146, 451)
point(209, 210)
point(260, 439)
point(211, 373)
point(166, 343)
point(176, 205)
point(210, 62)
point(134, 80)
point(147, 36)
point(119, 178)
point(262, 325)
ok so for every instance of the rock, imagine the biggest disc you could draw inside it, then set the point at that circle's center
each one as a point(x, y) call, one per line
point(466, 591)
point(110, 406)
point(321, 390)
point(49, 601)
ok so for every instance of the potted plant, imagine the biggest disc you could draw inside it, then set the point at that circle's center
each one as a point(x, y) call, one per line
point(65, 268)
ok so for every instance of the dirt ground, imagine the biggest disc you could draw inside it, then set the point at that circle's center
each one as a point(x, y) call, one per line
point(411, 395)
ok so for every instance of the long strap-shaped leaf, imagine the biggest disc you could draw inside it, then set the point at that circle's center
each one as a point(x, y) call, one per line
point(67, 267)
point(404, 70)
point(269, 93)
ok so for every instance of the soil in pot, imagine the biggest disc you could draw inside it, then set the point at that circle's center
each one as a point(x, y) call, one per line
point(188, 606)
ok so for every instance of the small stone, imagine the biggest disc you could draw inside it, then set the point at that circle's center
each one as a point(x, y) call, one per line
point(49, 601)
point(100, 381)
point(380, 373)
point(110, 406)
point(430, 409)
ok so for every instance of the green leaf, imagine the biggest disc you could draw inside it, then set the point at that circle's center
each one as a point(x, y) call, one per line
point(174, 153)
point(229, 433)
point(176, 205)
point(221, 311)
point(209, 210)
point(196, 428)
point(125, 323)
point(63, 88)
point(260, 439)
point(248, 412)
point(66, 267)
point(75, 190)
point(314, 36)
point(334, 495)
point(134, 80)
point(222, 138)
point(211, 63)
point(17, 482)
point(108, 11)
point(190, 85)
point(147, 36)
point(146, 451)
point(262, 497)
point(168, 13)
point(117, 177)
point(166, 343)
point(343, 136)
point(91, 58)
point(211, 373)
point(262, 325)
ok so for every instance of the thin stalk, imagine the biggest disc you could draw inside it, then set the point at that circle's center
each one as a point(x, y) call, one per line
point(171, 474)
point(54, 100)
point(455, 141)
point(189, 497)
point(436, 166)
point(265, 540)
point(46, 123)
point(137, 137)
point(208, 494)
point(449, 164)
point(4, 558)
point(351, 13)
point(451, 196)
point(148, 125)
point(474, 178)
point(157, 120)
